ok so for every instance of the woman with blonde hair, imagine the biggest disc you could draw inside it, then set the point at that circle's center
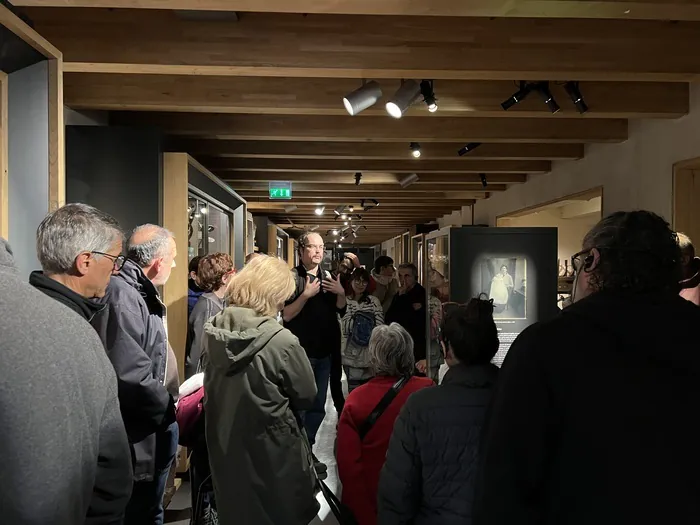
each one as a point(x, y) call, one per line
point(257, 378)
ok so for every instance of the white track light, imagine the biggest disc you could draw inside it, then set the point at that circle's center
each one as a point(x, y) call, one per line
point(404, 97)
point(363, 97)
point(408, 180)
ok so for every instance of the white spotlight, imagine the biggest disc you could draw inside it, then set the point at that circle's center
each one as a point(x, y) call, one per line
point(362, 98)
point(344, 216)
point(340, 246)
point(203, 210)
point(319, 210)
point(345, 223)
point(408, 180)
point(406, 95)
point(335, 233)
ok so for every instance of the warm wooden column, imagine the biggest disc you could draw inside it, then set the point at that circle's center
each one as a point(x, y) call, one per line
point(272, 240)
point(175, 219)
point(290, 252)
point(57, 148)
point(4, 176)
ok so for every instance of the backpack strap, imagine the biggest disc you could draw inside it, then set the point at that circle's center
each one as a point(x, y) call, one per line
point(382, 406)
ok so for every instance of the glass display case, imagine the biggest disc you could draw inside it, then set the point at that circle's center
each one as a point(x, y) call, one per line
point(417, 256)
point(209, 227)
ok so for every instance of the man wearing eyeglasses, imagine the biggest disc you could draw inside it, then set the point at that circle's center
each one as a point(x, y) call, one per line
point(592, 420)
point(79, 248)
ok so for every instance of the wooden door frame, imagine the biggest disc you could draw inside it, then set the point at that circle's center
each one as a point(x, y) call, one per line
point(693, 163)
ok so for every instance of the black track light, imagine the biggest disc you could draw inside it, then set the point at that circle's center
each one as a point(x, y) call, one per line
point(376, 202)
point(426, 89)
point(518, 96)
point(415, 149)
point(358, 178)
point(574, 93)
point(484, 182)
point(468, 147)
point(543, 89)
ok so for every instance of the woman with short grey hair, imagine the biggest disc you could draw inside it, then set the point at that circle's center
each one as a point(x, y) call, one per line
point(363, 441)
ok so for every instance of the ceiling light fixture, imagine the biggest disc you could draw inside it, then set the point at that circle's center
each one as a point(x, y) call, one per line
point(334, 233)
point(415, 149)
point(543, 89)
point(405, 96)
point(518, 96)
point(426, 89)
point(468, 147)
point(363, 97)
point(340, 246)
point(345, 223)
point(339, 210)
point(484, 182)
point(290, 208)
point(319, 210)
point(572, 90)
point(358, 178)
point(408, 180)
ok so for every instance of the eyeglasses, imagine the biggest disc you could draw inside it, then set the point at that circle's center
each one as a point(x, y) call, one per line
point(319, 247)
point(577, 261)
point(119, 260)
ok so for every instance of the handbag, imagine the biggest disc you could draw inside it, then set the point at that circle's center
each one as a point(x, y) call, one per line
point(382, 406)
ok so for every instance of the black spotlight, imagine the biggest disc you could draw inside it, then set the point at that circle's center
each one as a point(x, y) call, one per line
point(484, 182)
point(358, 178)
point(415, 149)
point(469, 147)
point(543, 89)
point(426, 89)
point(575, 95)
point(518, 96)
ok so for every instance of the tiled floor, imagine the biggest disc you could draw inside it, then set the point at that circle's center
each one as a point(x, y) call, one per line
point(178, 512)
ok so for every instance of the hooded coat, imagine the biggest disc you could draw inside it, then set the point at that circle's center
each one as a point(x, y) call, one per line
point(256, 378)
point(593, 419)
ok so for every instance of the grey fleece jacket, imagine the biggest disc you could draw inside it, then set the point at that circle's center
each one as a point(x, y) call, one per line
point(65, 455)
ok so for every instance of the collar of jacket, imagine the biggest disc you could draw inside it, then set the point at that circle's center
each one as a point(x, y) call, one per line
point(76, 302)
point(478, 376)
point(133, 275)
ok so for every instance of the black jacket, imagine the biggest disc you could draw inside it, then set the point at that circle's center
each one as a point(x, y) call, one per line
point(594, 419)
point(317, 325)
point(208, 305)
point(414, 321)
point(65, 454)
point(85, 308)
point(132, 330)
point(430, 468)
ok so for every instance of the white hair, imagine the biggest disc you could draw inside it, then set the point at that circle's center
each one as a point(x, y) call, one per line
point(71, 230)
point(157, 245)
point(391, 351)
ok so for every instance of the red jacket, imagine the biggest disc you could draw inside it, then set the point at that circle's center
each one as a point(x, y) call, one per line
point(359, 463)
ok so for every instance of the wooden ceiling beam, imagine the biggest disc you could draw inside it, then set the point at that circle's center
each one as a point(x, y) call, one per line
point(374, 189)
point(384, 129)
point(612, 9)
point(371, 150)
point(370, 178)
point(323, 96)
point(323, 46)
point(456, 166)
point(392, 193)
point(263, 205)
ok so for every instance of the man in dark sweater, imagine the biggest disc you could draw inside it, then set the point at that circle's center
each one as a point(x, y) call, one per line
point(408, 309)
point(593, 417)
point(312, 315)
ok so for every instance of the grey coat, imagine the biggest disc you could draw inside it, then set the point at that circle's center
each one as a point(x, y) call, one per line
point(256, 377)
point(65, 455)
point(133, 333)
point(208, 305)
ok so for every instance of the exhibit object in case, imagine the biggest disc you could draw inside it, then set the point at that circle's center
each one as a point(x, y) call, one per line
point(514, 267)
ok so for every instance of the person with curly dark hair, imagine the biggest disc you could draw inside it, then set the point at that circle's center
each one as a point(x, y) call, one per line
point(431, 463)
point(592, 418)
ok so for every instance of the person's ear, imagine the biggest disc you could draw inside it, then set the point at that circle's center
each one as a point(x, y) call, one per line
point(83, 262)
point(592, 260)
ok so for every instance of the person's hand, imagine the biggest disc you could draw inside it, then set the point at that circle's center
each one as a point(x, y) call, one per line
point(355, 260)
point(422, 366)
point(417, 306)
point(311, 288)
point(333, 286)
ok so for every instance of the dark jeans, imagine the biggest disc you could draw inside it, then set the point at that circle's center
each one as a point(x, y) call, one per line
point(337, 380)
point(146, 504)
point(313, 417)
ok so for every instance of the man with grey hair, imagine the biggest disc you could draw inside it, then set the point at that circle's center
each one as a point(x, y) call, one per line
point(133, 330)
point(79, 248)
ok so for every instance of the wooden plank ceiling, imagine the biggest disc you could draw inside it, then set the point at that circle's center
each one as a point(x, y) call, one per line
point(253, 89)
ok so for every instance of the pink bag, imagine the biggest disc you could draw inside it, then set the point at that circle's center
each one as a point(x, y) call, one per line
point(190, 410)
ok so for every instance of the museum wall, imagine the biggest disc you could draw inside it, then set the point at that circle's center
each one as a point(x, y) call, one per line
point(461, 217)
point(28, 161)
point(636, 174)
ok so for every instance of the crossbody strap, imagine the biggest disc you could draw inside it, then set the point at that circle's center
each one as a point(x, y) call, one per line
point(382, 406)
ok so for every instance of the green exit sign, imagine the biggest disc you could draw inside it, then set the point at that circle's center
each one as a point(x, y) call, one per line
point(280, 190)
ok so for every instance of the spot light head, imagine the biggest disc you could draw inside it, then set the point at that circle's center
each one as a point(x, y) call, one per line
point(405, 96)
point(320, 210)
point(362, 98)
point(572, 89)
point(518, 96)
point(468, 147)
point(415, 149)
point(484, 182)
point(358, 178)
point(426, 89)
point(543, 89)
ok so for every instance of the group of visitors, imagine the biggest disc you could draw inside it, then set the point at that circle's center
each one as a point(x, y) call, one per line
point(586, 422)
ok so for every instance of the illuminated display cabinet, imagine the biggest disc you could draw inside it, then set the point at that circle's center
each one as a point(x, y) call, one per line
point(515, 267)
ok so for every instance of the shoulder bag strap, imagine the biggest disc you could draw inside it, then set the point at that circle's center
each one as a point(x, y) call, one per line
point(382, 406)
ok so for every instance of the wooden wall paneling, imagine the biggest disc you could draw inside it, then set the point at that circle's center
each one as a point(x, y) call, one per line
point(175, 191)
point(290, 251)
point(272, 240)
point(4, 176)
point(57, 148)
point(686, 201)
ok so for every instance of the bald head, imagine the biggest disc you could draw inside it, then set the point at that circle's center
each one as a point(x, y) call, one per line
point(153, 248)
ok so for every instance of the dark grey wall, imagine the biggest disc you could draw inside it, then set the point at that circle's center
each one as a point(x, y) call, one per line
point(117, 170)
point(28, 161)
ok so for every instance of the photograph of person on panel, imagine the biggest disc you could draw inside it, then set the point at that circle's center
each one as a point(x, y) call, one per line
point(503, 280)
